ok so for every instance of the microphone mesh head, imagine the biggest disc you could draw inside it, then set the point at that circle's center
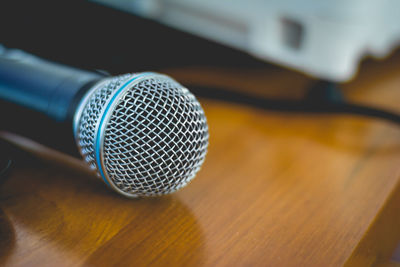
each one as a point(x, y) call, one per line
point(145, 134)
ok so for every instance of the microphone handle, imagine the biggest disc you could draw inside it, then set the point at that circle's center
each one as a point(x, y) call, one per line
point(43, 86)
point(38, 98)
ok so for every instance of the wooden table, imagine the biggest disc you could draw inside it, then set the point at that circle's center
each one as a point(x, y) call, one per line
point(277, 189)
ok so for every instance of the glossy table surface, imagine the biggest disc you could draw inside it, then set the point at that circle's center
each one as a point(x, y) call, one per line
point(276, 189)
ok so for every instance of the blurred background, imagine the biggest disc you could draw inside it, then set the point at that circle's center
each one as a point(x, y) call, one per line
point(93, 36)
point(323, 39)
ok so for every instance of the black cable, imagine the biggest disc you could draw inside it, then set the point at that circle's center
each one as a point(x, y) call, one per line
point(307, 105)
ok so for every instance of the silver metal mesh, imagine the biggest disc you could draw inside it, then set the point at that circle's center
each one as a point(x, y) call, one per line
point(154, 138)
point(90, 116)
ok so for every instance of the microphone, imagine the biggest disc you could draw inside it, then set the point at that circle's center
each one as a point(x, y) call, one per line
point(144, 134)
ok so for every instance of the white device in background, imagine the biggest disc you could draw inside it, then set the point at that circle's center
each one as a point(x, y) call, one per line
point(323, 38)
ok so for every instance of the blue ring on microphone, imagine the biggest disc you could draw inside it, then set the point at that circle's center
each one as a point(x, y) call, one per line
point(97, 147)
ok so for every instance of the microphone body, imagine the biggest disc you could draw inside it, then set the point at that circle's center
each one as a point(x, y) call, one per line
point(40, 85)
point(143, 134)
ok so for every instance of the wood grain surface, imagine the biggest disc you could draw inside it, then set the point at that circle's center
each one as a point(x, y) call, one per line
point(276, 189)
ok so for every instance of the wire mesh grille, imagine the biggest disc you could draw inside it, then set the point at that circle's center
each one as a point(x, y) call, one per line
point(90, 116)
point(155, 139)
